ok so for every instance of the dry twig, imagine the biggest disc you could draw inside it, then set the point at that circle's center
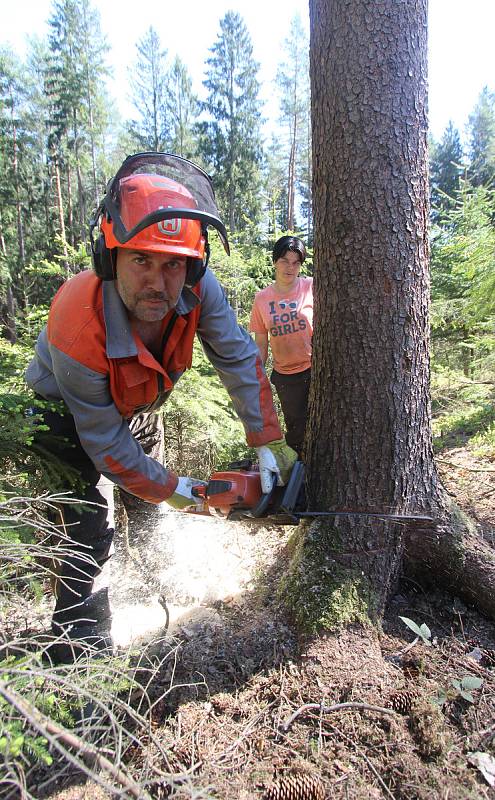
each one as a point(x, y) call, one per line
point(328, 709)
point(55, 735)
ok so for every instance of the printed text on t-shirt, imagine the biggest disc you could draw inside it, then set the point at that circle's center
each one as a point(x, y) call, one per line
point(284, 322)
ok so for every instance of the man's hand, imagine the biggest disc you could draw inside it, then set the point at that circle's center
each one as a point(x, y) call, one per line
point(275, 457)
point(183, 498)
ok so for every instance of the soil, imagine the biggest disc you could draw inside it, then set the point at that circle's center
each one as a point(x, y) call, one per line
point(240, 708)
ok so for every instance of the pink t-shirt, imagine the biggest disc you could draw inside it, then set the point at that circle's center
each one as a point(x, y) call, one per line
point(287, 318)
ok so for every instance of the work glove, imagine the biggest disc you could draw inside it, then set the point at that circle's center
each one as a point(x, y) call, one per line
point(183, 498)
point(275, 457)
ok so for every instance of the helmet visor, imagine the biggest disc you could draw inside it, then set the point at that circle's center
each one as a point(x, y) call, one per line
point(160, 203)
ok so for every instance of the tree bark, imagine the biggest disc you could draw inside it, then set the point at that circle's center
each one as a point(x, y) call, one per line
point(7, 316)
point(309, 168)
point(453, 556)
point(291, 179)
point(18, 204)
point(369, 443)
point(70, 214)
point(60, 209)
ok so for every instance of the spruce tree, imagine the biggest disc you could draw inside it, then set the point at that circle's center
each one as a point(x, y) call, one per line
point(275, 189)
point(12, 191)
point(151, 130)
point(230, 141)
point(75, 71)
point(183, 107)
point(482, 140)
point(293, 88)
point(445, 170)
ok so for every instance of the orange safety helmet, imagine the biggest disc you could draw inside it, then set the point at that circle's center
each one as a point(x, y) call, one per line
point(143, 194)
point(156, 201)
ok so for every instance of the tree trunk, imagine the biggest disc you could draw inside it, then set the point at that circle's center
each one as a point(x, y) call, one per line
point(18, 205)
point(369, 428)
point(70, 205)
point(232, 146)
point(453, 556)
point(60, 208)
point(89, 97)
point(3, 248)
point(7, 316)
point(291, 181)
point(310, 179)
point(81, 193)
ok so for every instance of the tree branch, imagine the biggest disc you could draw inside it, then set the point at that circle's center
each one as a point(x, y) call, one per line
point(328, 709)
point(55, 734)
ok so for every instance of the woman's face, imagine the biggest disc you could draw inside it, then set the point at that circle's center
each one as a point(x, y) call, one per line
point(287, 269)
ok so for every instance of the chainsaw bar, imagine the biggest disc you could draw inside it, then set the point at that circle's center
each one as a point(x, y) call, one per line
point(282, 505)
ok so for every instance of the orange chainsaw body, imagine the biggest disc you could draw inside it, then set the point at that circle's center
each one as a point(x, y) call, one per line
point(239, 490)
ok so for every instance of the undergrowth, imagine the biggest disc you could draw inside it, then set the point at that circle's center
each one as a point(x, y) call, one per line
point(463, 411)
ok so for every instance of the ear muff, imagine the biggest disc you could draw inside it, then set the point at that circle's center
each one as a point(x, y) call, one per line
point(103, 259)
point(196, 267)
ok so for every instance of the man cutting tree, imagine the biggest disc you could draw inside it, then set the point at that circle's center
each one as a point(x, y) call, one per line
point(117, 340)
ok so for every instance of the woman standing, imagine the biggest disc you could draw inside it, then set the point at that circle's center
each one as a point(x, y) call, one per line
point(282, 319)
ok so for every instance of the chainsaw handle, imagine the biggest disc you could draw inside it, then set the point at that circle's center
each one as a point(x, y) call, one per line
point(261, 507)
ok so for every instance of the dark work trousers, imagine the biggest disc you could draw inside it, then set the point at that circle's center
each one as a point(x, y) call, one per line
point(293, 392)
point(82, 574)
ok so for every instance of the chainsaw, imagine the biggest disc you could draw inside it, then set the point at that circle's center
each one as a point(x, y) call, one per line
point(236, 494)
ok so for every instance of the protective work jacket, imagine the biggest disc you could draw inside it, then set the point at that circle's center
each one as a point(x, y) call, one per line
point(89, 356)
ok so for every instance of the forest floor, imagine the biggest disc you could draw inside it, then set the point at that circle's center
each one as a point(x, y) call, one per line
point(232, 679)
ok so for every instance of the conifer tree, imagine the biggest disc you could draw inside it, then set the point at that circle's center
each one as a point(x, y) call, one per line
point(231, 141)
point(293, 87)
point(445, 170)
point(183, 107)
point(12, 228)
point(151, 130)
point(73, 75)
point(12, 97)
point(368, 438)
point(275, 186)
point(94, 68)
point(27, 221)
point(482, 140)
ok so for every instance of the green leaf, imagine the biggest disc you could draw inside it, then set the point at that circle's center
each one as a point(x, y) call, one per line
point(412, 625)
point(441, 698)
point(470, 682)
point(467, 696)
point(425, 631)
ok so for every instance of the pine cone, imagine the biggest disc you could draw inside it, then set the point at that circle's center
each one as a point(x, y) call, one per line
point(402, 701)
point(160, 790)
point(184, 757)
point(300, 786)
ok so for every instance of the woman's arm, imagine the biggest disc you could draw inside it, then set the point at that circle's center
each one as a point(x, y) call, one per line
point(261, 340)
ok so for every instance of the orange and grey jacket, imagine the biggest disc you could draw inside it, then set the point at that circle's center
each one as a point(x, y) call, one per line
point(89, 356)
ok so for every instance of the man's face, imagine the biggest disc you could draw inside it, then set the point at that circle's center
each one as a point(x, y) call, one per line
point(287, 268)
point(149, 283)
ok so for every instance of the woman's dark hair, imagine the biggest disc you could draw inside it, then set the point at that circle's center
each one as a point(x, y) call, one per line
point(286, 243)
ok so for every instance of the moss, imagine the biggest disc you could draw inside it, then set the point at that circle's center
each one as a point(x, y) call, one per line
point(320, 593)
point(459, 524)
point(428, 729)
